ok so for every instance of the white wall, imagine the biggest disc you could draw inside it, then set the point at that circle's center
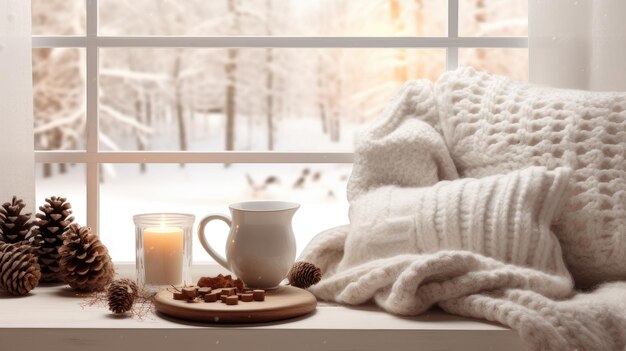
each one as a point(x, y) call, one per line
point(578, 43)
point(17, 168)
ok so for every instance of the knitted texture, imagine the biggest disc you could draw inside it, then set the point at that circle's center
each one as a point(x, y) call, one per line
point(506, 217)
point(391, 149)
point(533, 303)
point(476, 247)
point(493, 125)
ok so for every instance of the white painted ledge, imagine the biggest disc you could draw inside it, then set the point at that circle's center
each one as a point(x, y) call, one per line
point(52, 318)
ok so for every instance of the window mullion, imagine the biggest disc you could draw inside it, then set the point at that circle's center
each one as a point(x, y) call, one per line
point(93, 169)
point(452, 52)
point(120, 157)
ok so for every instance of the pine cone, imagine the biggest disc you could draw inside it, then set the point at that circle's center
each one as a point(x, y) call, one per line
point(19, 270)
point(14, 226)
point(55, 216)
point(304, 274)
point(85, 263)
point(121, 295)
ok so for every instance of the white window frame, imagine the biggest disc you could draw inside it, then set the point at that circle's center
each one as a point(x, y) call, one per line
point(92, 156)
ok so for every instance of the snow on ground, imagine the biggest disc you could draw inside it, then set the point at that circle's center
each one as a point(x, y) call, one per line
point(201, 189)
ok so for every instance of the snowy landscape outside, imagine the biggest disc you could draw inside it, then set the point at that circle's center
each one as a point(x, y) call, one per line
point(241, 99)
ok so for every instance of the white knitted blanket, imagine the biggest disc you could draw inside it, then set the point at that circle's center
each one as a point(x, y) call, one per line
point(492, 124)
point(421, 236)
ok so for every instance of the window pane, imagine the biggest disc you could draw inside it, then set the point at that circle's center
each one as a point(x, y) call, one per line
point(273, 17)
point(250, 99)
point(201, 189)
point(493, 18)
point(58, 17)
point(59, 98)
point(66, 180)
point(508, 62)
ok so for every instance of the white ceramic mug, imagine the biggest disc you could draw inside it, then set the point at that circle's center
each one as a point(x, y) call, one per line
point(261, 247)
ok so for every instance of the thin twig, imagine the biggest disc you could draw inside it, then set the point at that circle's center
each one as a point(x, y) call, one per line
point(142, 306)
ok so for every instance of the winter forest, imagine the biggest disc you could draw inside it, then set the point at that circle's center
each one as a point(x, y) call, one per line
point(244, 99)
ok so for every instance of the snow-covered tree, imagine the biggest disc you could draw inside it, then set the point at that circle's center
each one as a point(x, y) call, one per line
point(247, 98)
point(58, 81)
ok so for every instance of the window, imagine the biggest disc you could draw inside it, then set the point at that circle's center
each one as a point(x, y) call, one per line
point(157, 105)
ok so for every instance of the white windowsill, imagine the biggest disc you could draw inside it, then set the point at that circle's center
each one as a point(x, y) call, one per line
point(52, 317)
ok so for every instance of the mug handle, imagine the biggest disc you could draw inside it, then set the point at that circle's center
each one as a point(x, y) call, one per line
point(217, 257)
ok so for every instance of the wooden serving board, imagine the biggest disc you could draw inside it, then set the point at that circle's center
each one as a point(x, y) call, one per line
point(282, 303)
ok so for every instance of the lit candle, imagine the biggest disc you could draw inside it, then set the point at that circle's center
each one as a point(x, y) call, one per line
point(163, 255)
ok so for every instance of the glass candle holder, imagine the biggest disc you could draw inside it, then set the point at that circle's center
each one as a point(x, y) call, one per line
point(163, 245)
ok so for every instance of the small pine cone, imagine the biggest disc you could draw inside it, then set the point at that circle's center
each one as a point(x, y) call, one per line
point(14, 225)
point(121, 295)
point(85, 263)
point(54, 218)
point(19, 270)
point(304, 274)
